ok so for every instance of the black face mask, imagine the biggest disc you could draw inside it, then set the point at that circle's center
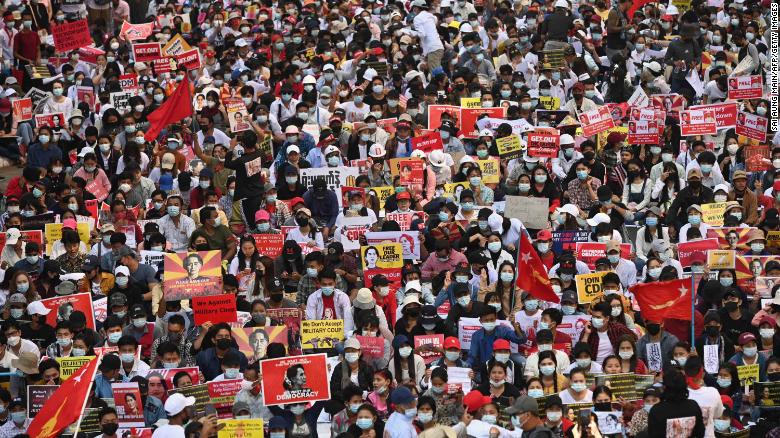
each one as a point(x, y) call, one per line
point(773, 377)
point(223, 344)
point(695, 184)
point(731, 306)
point(602, 407)
point(589, 155)
point(712, 331)
point(109, 428)
point(202, 247)
point(301, 221)
point(414, 313)
point(277, 297)
point(653, 328)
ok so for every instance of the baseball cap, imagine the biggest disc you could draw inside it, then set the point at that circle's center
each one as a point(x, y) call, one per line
point(37, 308)
point(12, 236)
point(17, 298)
point(746, 337)
point(451, 342)
point(400, 396)
point(475, 400)
point(176, 403)
point(352, 343)
point(522, 405)
point(90, 263)
point(501, 344)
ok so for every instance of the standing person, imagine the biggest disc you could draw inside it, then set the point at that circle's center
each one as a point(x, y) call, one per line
point(425, 27)
point(676, 414)
point(706, 397)
point(249, 181)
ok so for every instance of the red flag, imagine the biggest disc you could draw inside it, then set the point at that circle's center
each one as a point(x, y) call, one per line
point(665, 299)
point(65, 405)
point(177, 107)
point(531, 275)
point(635, 6)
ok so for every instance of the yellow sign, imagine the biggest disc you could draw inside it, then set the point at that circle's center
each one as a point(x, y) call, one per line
point(550, 103)
point(53, 233)
point(682, 5)
point(252, 428)
point(470, 102)
point(176, 46)
point(712, 214)
point(69, 365)
point(323, 333)
point(748, 374)
point(601, 137)
point(382, 256)
point(773, 239)
point(721, 258)
point(491, 170)
point(588, 286)
point(382, 193)
point(451, 190)
point(509, 147)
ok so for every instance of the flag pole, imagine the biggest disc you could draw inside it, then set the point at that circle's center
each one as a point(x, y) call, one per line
point(89, 390)
point(693, 311)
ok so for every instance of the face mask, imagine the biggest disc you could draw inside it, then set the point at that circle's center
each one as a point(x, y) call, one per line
point(502, 357)
point(761, 111)
point(613, 258)
point(722, 425)
point(31, 260)
point(14, 340)
point(423, 417)
point(467, 206)
point(494, 247)
point(597, 322)
point(566, 277)
point(78, 352)
point(159, 98)
point(507, 277)
point(706, 168)
point(582, 174)
point(312, 272)
point(524, 187)
point(365, 423)
point(568, 310)
point(489, 326)
point(297, 410)
point(173, 210)
point(756, 247)
point(127, 357)
point(352, 358)
point(327, 290)
point(270, 199)
point(767, 333)
point(43, 138)
point(405, 352)
point(667, 158)
point(489, 419)
point(17, 313)
point(531, 305)
point(694, 219)
point(749, 351)
point(577, 387)
point(464, 301)
point(535, 393)
point(122, 281)
point(114, 337)
point(726, 281)
point(547, 370)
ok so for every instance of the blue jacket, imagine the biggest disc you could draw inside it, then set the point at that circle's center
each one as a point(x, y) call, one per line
point(739, 360)
point(326, 209)
point(211, 365)
point(448, 295)
point(482, 343)
point(153, 410)
point(305, 143)
point(103, 386)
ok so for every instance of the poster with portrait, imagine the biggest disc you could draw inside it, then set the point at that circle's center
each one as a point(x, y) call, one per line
point(730, 237)
point(643, 132)
point(698, 122)
point(745, 87)
point(596, 121)
point(192, 274)
point(435, 113)
point(156, 377)
point(383, 258)
point(725, 113)
point(749, 268)
point(752, 126)
point(609, 422)
point(411, 173)
point(129, 406)
point(237, 114)
point(668, 102)
point(297, 379)
point(409, 240)
point(469, 117)
point(253, 341)
point(52, 120)
point(290, 318)
point(63, 306)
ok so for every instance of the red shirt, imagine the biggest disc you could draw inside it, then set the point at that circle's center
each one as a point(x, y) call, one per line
point(388, 306)
point(328, 307)
point(26, 44)
point(15, 187)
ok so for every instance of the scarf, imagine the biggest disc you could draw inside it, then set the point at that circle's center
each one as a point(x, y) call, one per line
point(692, 380)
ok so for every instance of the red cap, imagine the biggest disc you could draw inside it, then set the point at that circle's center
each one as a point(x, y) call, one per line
point(296, 200)
point(615, 137)
point(451, 342)
point(403, 195)
point(544, 235)
point(746, 337)
point(475, 400)
point(500, 344)
point(766, 319)
point(776, 185)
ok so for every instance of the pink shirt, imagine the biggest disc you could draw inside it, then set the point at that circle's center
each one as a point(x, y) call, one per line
point(99, 176)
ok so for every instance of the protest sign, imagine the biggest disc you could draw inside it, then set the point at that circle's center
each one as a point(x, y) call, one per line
point(335, 177)
point(764, 285)
point(639, 99)
point(748, 375)
point(609, 423)
point(429, 347)
point(22, 109)
point(509, 147)
point(532, 211)
point(385, 259)
point(745, 87)
point(712, 214)
point(698, 122)
point(190, 60)
point(622, 385)
point(543, 145)
point(409, 240)
point(573, 325)
point(237, 114)
point(323, 333)
point(128, 81)
point(63, 306)
point(411, 172)
point(69, 365)
point(491, 170)
point(460, 376)
point(352, 229)
point(643, 132)
point(470, 102)
point(253, 341)
point(214, 308)
point(721, 259)
point(269, 244)
point(567, 240)
point(290, 318)
point(133, 32)
point(146, 52)
point(452, 190)
point(192, 274)
point(668, 102)
point(163, 65)
point(52, 120)
point(372, 347)
point(54, 233)
point(176, 46)
point(596, 121)
point(128, 404)
point(27, 236)
point(695, 251)
point(725, 113)
point(752, 126)
point(243, 428)
point(158, 375)
point(550, 103)
point(469, 118)
point(756, 157)
point(767, 393)
point(466, 328)
point(519, 126)
point(71, 35)
point(428, 142)
point(296, 379)
point(121, 100)
point(589, 252)
point(588, 286)
point(37, 396)
point(435, 113)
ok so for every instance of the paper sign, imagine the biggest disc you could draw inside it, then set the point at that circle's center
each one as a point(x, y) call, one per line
point(654, 356)
point(756, 157)
point(596, 121)
point(767, 394)
point(533, 212)
point(429, 347)
point(372, 347)
point(643, 132)
point(698, 122)
point(22, 109)
point(491, 170)
point(269, 244)
point(245, 428)
point(409, 240)
point(192, 274)
point(133, 32)
point(469, 118)
point(411, 172)
point(550, 103)
point(695, 252)
point(745, 87)
point(176, 46)
point(639, 98)
point(69, 365)
point(335, 177)
point(543, 145)
point(428, 142)
point(588, 286)
point(435, 113)
point(712, 214)
point(711, 359)
point(294, 379)
point(37, 395)
point(128, 403)
point(71, 35)
point(189, 59)
point(721, 259)
point(214, 309)
point(321, 333)
point(509, 147)
point(725, 113)
point(470, 102)
point(63, 306)
point(146, 52)
point(128, 81)
point(748, 374)
point(752, 126)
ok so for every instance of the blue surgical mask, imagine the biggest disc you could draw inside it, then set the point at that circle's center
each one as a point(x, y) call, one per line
point(452, 356)
point(724, 383)
point(651, 221)
point(231, 373)
point(568, 310)
point(127, 357)
point(582, 174)
point(706, 168)
point(531, 305)
point(263, 226)
point(114, 337)
point(364, 423)
point(535, 393)
point(423, 417)
point(327, 290)
point(173, 210)
point(489, 419)
point(726, 281)
point(694, 219)
point(506, 277)
point(613, 258)
point(19, 417)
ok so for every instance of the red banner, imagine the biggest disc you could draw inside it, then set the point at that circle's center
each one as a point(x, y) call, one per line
point(214, 309)
point(189, 59)
point(725, 113)
point(132, 32)
point(373, 347)
point(63, 306)
point(746, 87)
point(752, 126)
point(696, 251)
point(756, 157)
point(128, 81)
point(269, 244)
point(698, 122)
point(589, 252)
point(23, 109)
point(71, 36)
point(543, 145)
point(428, 142)
point(595, 121)
point(296, 379)
point(145, 52)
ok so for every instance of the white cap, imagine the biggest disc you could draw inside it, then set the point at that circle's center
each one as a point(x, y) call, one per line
point(465, 159)
point(417, 154)
point(328, 67)
point(653, 66)
point(369, 74)
point(12, 236)
point(561, 4)
point(569, 208)
point(86, 150)
point(723, 187)
point(377, 151)
point(37, 308)
point(176, 403)
point(242, 42)
point(466, 28)
point(671, 10)
point(485, 133)
point(122, 270)
point(600, 218)
point(309, 79)
point(436, 158)
point(330, 149)
point(291, 129)
point(411, 75)
point(567, 139)
point(140, 66)
point(293, 148)
point(495, 221)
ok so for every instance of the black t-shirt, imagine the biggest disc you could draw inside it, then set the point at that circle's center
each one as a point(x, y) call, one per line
point(679, 418)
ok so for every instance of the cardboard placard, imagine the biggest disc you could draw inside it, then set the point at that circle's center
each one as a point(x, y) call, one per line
point(69, 365)
point(214, 308)
point(695, 251)
point(22, 109)
point(63, 306)
point(596, 121)
point(698, 122)
point(296, 379)
point(176, 46)
point(767, 393)
point(409, 240)
point(745, 87)
point(747, 374)
point(491, 170)
point(533, 212)
point(37, 395)
point(509, 147)
point(543, 145)
point(192, 274)
point(71, 35)
point(133, 32)
point(428, 142)
point(435, 113)
point(643, 132)
point(321, 333)
point(721, 259)
point(245, 428)
point(756, 157)
point(725, 113)
point(372, 347)
point(411, 172)
point(128, 403)
point(429, 347)
point(253, 341)
point(146, 52)
point(469, 118)
point(269, 244)
point(752, 126)
point(712, 214)
point(470, 102)
point(588, 286)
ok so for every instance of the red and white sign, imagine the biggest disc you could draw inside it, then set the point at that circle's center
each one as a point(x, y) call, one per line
point(269, 244)
point(428, 142)
point(668, 102)
point(590, 252)
point(696, 251)
point(296, 379)
point(162, 65)
point(595, 121)
point(63, 306)
point(132, 32)
point(643, 132)
point(128, 81)
point(145, 52)
point(698, 122)
point(752, 126)
point(71, 36)
point(189, 59)
point(543, 145)
point(746, 87)
point(725, 113)
point(23, 109)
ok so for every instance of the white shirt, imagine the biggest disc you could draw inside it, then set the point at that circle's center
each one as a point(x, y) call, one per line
point(568, 399)
point(178, 237)
point(169, 431)
point(605, 346)
point(425, 26)
point(711, 406)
